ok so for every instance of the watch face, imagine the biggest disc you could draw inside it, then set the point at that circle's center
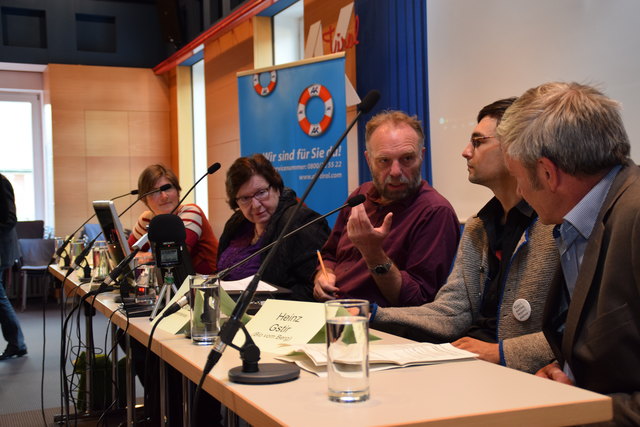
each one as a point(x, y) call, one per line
point(382, 268)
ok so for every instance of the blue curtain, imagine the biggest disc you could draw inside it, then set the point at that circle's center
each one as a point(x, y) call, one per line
point(391, 56)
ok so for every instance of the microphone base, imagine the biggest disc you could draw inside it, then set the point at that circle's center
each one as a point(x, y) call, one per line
point(268, 373)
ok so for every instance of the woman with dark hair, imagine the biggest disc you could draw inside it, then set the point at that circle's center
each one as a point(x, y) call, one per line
point(262, 206)
point(201, 242)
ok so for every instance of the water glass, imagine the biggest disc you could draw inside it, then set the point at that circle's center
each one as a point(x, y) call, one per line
point(347, 327)
point(205, 308)
point(100, 256)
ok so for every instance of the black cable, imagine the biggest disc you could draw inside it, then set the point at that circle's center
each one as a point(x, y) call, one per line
point(64, 389)
point(44, 351)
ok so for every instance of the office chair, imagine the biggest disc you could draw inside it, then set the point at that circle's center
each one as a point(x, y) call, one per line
point(36, 254)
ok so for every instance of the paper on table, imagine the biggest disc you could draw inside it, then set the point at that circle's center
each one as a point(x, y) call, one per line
point(240, 285)
point(398, 354)
point(307, 364)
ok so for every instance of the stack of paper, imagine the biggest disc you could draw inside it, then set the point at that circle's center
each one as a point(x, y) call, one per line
point(313, 357)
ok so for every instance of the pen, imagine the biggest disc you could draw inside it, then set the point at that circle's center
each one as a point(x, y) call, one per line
point(324, 270)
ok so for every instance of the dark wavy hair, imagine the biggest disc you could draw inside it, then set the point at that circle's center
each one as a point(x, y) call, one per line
point(243, 169)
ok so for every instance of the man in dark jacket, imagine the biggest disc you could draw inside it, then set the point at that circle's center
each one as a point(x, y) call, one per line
point(8, 254)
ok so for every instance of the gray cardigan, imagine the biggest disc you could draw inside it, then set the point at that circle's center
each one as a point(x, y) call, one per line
point(457, 304)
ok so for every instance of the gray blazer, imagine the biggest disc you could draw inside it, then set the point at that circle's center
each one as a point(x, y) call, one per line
point(457, 304)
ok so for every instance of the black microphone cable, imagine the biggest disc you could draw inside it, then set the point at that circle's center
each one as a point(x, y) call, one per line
point(173, 308)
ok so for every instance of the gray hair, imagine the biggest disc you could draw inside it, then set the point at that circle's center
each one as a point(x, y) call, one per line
point(575, 126)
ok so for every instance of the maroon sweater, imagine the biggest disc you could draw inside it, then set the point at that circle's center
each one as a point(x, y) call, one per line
point(422, 244)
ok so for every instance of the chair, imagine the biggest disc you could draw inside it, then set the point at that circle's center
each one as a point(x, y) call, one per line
point(30, 229)
point(36, 254)
point(91, 231)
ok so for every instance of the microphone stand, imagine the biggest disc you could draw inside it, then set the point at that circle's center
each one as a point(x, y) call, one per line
point(250, 371)
point(213, 168)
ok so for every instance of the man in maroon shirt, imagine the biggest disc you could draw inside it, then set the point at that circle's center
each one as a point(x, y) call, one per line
point(396, 249)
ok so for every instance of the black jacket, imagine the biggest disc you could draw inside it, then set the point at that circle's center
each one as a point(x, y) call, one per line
point(9, 251)
point(294, 265)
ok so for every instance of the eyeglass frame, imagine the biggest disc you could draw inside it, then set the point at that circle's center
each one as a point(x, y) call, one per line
point(476, 141)
point(259, 195)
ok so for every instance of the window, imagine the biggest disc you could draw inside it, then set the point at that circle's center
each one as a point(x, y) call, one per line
point(25, 160)
point(199, 134)
point(288, 34)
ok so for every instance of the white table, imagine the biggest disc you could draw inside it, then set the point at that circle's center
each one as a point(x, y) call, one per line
point(457, 393)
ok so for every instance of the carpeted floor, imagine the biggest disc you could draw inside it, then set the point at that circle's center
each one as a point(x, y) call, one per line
point(23, 389)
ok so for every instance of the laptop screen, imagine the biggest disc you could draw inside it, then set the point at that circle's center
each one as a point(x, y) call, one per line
point(112, 230)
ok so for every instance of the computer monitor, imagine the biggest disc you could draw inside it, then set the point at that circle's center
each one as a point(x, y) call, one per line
point(112, 231)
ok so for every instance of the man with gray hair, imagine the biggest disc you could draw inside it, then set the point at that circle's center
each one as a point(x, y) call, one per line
point(567, 147)
point(396, 248)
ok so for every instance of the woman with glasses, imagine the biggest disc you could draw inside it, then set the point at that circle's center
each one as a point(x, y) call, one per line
point(201, 242)
point(262, 206)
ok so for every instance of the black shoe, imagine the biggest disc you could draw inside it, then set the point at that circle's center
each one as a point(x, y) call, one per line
point(8, 354)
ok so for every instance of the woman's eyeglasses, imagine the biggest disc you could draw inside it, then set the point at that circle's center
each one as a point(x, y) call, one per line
point(258, 195)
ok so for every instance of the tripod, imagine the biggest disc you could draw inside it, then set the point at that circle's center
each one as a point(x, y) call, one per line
point(168, 285)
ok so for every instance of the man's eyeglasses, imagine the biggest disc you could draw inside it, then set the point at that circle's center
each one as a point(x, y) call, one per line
point(477, 140)
point(258, 195)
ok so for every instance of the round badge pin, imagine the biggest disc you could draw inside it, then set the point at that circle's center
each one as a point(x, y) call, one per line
point(522, 309)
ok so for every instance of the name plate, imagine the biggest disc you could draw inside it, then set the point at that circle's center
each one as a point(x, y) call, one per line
point(281, 323)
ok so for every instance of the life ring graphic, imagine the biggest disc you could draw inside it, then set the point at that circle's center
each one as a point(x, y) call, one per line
point(315, 129)
point(261, 90)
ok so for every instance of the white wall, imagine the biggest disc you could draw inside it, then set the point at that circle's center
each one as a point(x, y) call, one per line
point(481, 51)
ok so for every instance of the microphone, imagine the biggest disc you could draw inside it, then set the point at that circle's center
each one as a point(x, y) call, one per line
point(212, 169)
point(167, 236)
point(62, 247)
point(78, 261)
point(234, 323)
point(354, 201)
point(157, 190)
point(176, 306)
point(122, 265)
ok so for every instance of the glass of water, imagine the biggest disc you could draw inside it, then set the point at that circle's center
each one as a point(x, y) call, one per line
point(347, 326)
point(205, 308)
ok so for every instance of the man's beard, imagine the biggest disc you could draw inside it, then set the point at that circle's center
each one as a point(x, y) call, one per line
point(394, 195)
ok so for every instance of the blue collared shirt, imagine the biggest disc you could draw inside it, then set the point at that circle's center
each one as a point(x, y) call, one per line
point(573, 234)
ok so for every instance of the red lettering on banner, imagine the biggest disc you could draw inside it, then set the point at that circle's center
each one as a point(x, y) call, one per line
point(341, 42)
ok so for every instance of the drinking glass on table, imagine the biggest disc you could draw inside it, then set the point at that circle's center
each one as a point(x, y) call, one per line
point(205, 308)
point(347, 326)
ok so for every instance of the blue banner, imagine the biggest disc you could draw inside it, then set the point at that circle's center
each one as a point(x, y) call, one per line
point(293, 116)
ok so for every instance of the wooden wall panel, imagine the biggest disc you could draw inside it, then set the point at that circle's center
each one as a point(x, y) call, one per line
point(106, 133)
point(146, 130)
point(224, 57)
point(108, 123)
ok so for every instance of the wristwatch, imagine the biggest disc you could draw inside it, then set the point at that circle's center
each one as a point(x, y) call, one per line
point(381, 269)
